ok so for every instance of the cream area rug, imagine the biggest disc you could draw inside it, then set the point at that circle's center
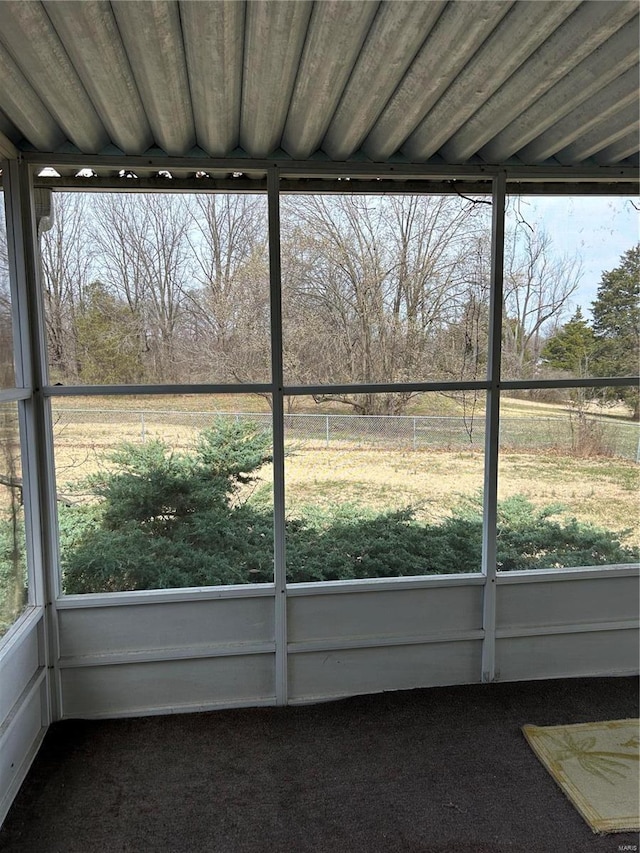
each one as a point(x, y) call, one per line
point(596, 765)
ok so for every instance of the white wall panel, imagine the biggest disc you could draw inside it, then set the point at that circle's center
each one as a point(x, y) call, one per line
point(606, 599)
point(322, 675)
point(187, 654)
point(174, 625)
point(167, 686)
point(18, 665)
point(385, 614)
point(568, 655)
point(19, 743)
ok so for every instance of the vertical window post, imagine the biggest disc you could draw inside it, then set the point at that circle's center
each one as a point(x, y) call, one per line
point(31, 367)
point(492, 427)
point(277, 383)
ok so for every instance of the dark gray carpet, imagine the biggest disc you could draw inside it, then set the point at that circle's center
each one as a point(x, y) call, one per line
point(445, 769)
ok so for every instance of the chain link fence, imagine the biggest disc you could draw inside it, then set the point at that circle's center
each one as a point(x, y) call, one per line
point(575, 433)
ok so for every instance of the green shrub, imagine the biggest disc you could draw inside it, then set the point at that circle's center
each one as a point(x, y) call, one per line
point(532, 538)
point(168, 519)
point(13, 570)
point(164, 519)
point(346, 542)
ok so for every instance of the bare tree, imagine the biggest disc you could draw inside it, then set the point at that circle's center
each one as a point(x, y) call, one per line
point(376, 289)
point(228, 304)
point(142, 254)
point(67, 257)
point(7, 375)
point(375, 280)
point(538, 286)
point(13, 580)
point(462, 342)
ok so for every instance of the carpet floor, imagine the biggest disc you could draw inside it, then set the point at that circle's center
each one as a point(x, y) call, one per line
point(419, 771)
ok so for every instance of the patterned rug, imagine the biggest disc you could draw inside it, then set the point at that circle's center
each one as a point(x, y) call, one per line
point(596, 765)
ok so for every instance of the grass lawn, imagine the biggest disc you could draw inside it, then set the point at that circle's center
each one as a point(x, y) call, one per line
point(428, 403)
point(600, 490)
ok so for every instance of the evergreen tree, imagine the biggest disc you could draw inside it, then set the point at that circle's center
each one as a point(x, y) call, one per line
point(616, 323)
point(108, 344)
point(572, 347)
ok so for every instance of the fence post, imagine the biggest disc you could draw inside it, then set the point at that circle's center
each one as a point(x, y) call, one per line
point(415, 445)
point(142, 430)
point(327, 431)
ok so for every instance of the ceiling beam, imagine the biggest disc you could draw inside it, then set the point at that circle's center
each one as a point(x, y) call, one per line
point(298, 169)
point(324, 185)
point(8, 150)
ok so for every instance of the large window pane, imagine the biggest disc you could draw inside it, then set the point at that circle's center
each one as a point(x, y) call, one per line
point(145, 288)
point(13, 570)
point(385, 496)
point(385, 288)
point(163, 492)
point(572, 291)
point(7, 371)
point(568, 485)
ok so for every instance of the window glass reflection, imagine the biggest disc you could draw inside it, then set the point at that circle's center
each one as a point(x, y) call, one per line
point(7, 371)
point(13, 572)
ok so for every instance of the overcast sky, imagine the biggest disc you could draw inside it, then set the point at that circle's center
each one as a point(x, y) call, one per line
point(597, 230)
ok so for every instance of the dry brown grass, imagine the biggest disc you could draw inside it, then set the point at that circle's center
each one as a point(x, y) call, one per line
point(430, 481)
point(601, 491)
point(174, 402)
point(428, 403)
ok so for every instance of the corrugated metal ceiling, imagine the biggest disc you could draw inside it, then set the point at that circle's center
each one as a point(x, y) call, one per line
point(496, 82)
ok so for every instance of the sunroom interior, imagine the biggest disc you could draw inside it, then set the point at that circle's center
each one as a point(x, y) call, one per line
point(324, 133)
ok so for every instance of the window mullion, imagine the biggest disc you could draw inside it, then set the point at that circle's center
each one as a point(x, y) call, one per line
point(31, 371)
point(280, 569)
point(492, 428)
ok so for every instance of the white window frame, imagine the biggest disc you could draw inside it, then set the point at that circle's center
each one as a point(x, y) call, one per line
point(36, 395)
